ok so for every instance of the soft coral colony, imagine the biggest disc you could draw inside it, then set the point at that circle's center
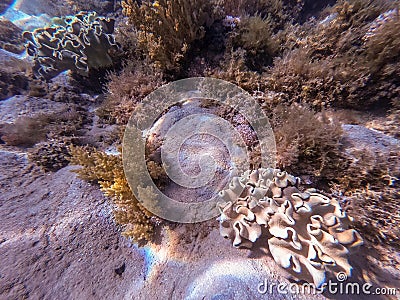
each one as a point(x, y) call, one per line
point(80, 43)
point(347, 58)
point(307, 232)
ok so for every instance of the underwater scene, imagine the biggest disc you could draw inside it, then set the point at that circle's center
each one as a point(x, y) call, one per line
point(200, 149)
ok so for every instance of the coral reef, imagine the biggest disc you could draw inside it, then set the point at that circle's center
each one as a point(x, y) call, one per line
point(108, 171)
point(79, 43)
point(307, 232)
point(167, 28)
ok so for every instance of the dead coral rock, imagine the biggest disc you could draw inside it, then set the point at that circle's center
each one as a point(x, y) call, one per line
point(26, 120)
point(11, 37)
point(64, 88)
point(4, 5)
point(58, 231)
point(25, 131)
point(96, 134)
point(12, 84)
point(360, 137)
point(307, 232)
point(13, 74)
point(17, 106)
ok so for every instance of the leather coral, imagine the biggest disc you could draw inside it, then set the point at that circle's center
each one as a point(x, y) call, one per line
point(79, 43)
point(307, 232)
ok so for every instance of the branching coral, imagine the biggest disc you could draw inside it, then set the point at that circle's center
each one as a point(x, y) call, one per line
point(80, 43)
point(307, 232)
point(166, 28)
point(108, 171)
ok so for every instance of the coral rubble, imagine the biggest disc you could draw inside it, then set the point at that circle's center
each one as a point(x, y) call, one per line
point(307, 232)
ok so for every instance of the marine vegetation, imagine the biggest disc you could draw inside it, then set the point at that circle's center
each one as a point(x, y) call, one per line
point(369, 191)
point(11, 37)
point(167, 28)
point(255, 35)
point(108, 172)
point(305, 232)
point(307, 143)
point(126, 89)
point(79, 43)
point(336, 63)
point(233, 68)
point(26, 131)
point(50, 155)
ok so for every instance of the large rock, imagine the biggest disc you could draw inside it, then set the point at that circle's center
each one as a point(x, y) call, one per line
point(58, 241)
point(18, 106)
point(359, 137)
